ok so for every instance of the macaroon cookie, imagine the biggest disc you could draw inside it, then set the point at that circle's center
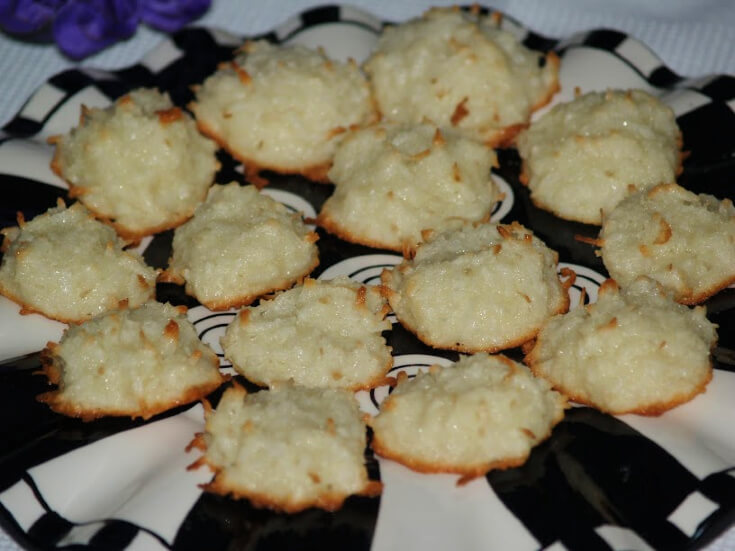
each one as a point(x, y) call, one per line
point(319, 334)
point(482, 413)
point(288, 449)
point(480, 287)
point(583, 157)
point(394, 181)
point(134, 363)
point(461, 70)
point(70, 267)
point(282, 108)
point(684, 241)
point(240, 244)
point(140, 164)
point(635, 350)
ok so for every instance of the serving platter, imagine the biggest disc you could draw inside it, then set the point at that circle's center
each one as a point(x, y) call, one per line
point(599, 482)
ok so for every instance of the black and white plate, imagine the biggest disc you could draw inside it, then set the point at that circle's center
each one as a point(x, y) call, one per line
point(599, 482)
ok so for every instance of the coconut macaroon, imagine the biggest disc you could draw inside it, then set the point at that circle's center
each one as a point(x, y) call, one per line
point(68, 266)
point(289, 448)
point(321, 334)
point(485, 412)
point(633, 351)
point(684, 241)
point(459, 69)
point(239, 245)
point(140, 164)
point(282, 108)
point(134, 363)
point(482, 287)
point(395, 180)
point(583, 157)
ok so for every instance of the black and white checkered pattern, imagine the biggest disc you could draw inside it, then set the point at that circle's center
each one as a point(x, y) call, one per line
point(598, 483)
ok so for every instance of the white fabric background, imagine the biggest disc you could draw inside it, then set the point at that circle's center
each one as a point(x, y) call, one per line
point(693, 37)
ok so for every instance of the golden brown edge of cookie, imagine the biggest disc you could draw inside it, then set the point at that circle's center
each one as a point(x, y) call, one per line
point(373, 382)
point(493, 139)
point(316, 173)
point(325, 221)
point(131, 235)
point(688, 297)
point(459, 347)
point(467, 473)
point(650, 410)
point(55, 401)
point(506, 137)
point(563, 307)
point(328, 501)
point(167, 276)
point(692, 299)
point(503, 137)
point(26, 309)
point(553, 59)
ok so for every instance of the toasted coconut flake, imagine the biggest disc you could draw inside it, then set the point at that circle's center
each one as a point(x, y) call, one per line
point(460, 112)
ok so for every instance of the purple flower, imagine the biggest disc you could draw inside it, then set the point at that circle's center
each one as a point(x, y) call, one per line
point(27, 16)
point(171, 15)
point(83, 27)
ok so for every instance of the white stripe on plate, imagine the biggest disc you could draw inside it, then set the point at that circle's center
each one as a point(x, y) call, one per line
point(29, 159)
point(639, 55)
point(683, 100)
point(45, 98)
point(429, 511)
point(22, 504)
point(699, 433)
point(693, 510)
point(138, 475)
point(82, 534)
point(163, 55)
point(144, 542)
point(618, 537)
